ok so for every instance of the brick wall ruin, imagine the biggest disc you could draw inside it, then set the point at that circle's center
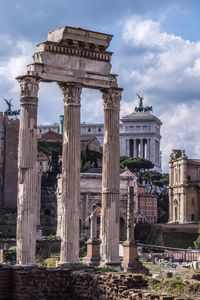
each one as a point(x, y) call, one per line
point(25, 283)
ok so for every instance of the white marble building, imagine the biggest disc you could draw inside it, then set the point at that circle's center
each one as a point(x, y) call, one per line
point(139, 136)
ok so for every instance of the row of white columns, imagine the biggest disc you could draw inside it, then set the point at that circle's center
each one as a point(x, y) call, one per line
point(27, 186)
point(138, 148)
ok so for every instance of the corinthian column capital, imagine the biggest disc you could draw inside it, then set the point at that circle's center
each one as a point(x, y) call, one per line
point(71, 92)
point(111, 98)
point(29, 86)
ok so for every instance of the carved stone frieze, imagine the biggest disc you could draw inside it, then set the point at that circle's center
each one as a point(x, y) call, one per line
point(29, 86)
point(71, 92)
point(111, 98)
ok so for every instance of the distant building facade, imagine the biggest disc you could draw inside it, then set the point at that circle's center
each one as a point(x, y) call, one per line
point(9, 128)
point(145, 205)
point(41, 129)
point(184, 188)
point(139, 136)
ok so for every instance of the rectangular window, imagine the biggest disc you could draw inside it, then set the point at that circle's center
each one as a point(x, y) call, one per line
point(144, 128)
point(138, 128)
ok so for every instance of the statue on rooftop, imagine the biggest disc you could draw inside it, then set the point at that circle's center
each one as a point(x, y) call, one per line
point(9, 111)
point(141, 108)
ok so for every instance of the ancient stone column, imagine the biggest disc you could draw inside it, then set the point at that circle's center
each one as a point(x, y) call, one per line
point(93, 255)
point(130, 261)
point(130, 247)
point(69, 252)
point(27, 172)
point(109, 232)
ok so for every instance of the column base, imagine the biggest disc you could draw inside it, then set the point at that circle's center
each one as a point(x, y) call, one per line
point(130, 261)
point(113, 265)
point(93, 252)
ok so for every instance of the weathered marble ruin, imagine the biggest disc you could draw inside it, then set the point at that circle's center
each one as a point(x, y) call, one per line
point(27, 168)
point(130, 247)
point(75, 58)
point(93, 253)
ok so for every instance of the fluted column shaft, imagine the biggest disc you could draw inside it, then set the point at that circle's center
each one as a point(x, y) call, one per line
point(27, 172)
point(69, 252)
point(110, 180)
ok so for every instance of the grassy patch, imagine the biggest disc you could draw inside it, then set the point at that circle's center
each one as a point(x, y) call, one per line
point(154, 268)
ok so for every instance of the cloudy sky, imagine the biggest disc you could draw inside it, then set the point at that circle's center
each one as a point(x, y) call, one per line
point(156, 49)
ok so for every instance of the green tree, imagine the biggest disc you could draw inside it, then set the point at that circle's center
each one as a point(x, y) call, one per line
point(154, 178)
point(89, 159)
point(136, 165)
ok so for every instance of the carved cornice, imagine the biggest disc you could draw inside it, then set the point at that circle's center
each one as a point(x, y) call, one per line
point(112, 98)
point(29, 86)
point(71, 92)
point(73, 51)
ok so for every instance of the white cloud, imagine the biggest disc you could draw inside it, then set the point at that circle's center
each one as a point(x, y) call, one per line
point(17, 54)
point(165, 68)
point(181, 130)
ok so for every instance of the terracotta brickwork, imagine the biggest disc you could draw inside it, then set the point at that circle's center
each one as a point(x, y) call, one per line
point(25, 283)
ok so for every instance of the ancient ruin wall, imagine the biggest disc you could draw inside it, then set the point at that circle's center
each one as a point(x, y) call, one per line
point(25, 283)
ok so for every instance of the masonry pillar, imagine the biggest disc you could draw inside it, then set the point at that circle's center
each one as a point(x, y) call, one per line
point(148, 149)
point(141, 149)
point(93, 244)
point(109, 232)
point(135, 148)
point(69, 252)
point(27, 172)
point(130, 247)
point(127, 147)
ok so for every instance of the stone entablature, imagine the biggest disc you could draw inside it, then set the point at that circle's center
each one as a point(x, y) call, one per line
point(85, 53)
point(83, 60)
point(87, 38)
point(184, 188)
